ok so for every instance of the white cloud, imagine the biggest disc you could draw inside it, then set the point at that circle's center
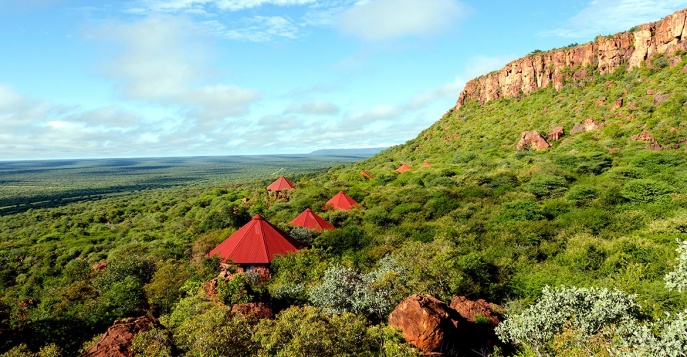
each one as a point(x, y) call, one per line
point(31, 128)
point(390, 19)
point(474, 67)
point(234, 5)
point(163, 61)
point(202, 5)
point(314, 107)
point(259, 29)
point(603, 17)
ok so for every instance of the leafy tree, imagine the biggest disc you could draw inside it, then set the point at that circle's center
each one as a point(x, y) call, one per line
point(235, 290)
point(294, 273)
point(164, 289)
point(156, 342)
point(215, 332)
point(308, 331)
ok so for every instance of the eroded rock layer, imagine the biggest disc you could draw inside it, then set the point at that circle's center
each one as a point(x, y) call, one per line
point(605, 54)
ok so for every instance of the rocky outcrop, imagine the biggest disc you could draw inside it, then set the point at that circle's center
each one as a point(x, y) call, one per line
point(618, 104)
point(426, 322)
point(258, 310)
point(465, 328)
point(475, 310)
point(645, 136)
point(481, 317)
point(587, 125)
point(532, 140)
point(605, 54)
point(117, 340)
point(556, 133)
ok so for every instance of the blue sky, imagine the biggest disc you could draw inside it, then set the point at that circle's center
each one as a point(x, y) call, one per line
point(143, 78)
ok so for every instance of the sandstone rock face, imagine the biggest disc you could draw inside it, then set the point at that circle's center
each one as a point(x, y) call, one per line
point(258, 310)
point(645, 136)
point(556, 133)
point(465, 328)
point(618, 104)
point(427, 323)
point(605, 53)
point(532, 140)
point(481, 318)
point(588, 124)
point(117, 340)
point(471, 309)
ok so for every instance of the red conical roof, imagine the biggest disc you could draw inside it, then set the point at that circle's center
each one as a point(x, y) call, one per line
point(403, 168)
point(341, 201)
point(281, 184)
point(366, 174)
point(257, 242)
point(425, 164)
point(310, 220)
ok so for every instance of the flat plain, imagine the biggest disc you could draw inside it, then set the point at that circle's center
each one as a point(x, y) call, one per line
point(51, 183)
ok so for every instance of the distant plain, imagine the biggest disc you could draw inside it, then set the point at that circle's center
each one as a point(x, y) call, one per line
point(51, 183)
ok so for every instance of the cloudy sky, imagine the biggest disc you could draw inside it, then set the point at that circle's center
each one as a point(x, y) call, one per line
point(142, 78)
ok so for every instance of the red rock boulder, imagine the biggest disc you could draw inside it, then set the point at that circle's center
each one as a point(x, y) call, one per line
point(618, 104)
point(426, 322)
point(587, 125)
point(645, 136)
point(532, 140)
point(258, 310)
point(556, 133)
point(482, 317)
point(117, 340)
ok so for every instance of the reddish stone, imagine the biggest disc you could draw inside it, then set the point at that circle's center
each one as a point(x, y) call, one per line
point(532, 140)
point(660, 98)
point(674, 61)
point(618, 104)
point(100, 266)
point(587, 125)
point(645, 136)
point(556, 133)
point(117, 340)
point(258, 310)
point(482, 318)
point(426, 322)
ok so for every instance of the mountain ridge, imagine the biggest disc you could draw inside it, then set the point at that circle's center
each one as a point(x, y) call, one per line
point(605, 54)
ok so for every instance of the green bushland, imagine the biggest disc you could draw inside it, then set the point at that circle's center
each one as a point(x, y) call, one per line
point(597, 210)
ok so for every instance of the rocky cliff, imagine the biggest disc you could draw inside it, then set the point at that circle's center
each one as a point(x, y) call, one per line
point(605, 54)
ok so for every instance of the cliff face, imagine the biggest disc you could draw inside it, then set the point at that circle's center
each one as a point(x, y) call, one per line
point(605, 54)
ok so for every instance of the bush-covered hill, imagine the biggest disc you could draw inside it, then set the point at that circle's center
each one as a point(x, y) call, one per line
point(597, 209)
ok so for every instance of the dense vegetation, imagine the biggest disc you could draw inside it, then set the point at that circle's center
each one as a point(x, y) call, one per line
point(596, 211)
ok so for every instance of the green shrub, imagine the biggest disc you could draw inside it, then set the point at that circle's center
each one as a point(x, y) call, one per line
point(343, 239)
point(582, 194)
point(520, 211)
point(587, 310)
point(646, 191)
point(547, 186)
point(463, 157)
